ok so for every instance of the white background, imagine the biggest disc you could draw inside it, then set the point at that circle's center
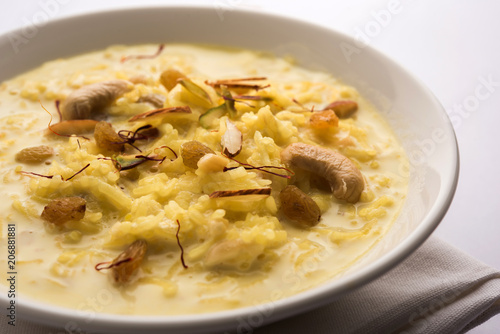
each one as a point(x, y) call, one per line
point(449, 44)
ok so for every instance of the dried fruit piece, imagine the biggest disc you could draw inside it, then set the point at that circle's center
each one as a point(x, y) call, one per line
point(36, 154)
point(193, 151)
point(343, 109)
point(62, 210)
point(88, 100)
point(324, 119)
point(169, 78)
point(127, 263)
point(298, 207)
point(231, 140)
point(106, 138)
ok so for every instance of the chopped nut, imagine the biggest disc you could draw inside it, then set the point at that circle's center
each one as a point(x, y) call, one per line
point(345, 179)
point(231, 140)
point(211, 163)
point(85, 102)
point(156, 100)
point(138, 79)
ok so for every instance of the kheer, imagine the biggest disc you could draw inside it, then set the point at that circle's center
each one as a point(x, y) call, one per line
point(189, 180)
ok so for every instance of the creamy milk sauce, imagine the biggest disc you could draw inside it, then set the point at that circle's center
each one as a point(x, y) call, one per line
point(54, 268)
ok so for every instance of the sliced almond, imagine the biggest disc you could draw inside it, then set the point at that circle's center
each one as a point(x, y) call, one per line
point(242, 194)
point(231, 140)
point(237, 83)
point(156, 100)
point(73, 127)
point(162, 112)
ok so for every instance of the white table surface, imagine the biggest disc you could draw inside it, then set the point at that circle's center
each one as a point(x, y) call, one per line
point(451, 45)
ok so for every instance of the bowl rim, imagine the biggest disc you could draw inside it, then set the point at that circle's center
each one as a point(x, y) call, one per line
point(297, 303)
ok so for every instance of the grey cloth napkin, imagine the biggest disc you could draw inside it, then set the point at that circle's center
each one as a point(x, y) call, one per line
point(438, 289)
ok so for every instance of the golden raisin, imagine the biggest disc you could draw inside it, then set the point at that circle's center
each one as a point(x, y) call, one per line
point(168, 78)
point(192, 152)
point(62, 210)
point(106, 138)
point(36, 154)
point(299, 207)
point(127, 263)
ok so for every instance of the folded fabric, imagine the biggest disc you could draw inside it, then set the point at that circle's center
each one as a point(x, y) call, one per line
point(438, 289)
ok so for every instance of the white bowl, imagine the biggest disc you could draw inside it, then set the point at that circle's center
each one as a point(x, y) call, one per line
point(417, 117)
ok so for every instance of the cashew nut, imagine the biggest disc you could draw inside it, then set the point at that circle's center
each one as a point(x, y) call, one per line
point(83, 103)
point(345, 179)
